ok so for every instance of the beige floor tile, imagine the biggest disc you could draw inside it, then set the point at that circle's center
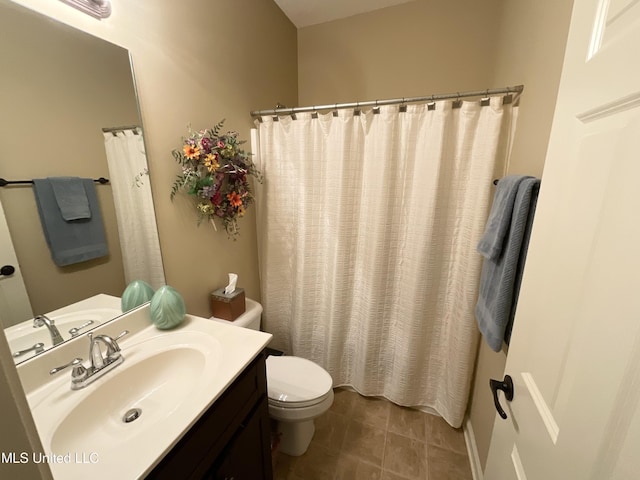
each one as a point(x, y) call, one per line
point(362, 438)
point(343, 401)
point(387, 475)
point(282, 467)
point(441, 434)
point(331, 429)
point(407, 422)
point(372, 411)
point(365, 442)
point(405, 456)
point(318, 463)
point(447, 465)
point(352, 468)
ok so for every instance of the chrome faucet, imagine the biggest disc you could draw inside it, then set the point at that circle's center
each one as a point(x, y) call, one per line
point(95, 353)
point(81, 376)
point(43, 320)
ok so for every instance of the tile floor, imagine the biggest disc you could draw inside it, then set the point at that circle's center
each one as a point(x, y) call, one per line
point(363, 438)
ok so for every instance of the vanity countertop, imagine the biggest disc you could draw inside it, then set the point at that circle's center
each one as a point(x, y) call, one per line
point(174, 376)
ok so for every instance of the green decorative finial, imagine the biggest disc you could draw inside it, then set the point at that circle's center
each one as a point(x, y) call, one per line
point(136, 293)
point(167, 308)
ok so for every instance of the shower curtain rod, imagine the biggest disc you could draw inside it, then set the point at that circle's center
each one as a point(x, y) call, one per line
point(377, 103)
point(115, 130)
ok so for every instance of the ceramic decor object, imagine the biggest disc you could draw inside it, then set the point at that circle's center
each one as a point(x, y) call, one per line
point(167, 308)
point(136, 293)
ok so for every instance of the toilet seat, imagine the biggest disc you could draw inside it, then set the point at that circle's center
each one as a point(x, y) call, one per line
point(294, 382)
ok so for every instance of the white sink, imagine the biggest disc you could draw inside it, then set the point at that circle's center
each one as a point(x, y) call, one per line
point(172, 377)
point(156, 386)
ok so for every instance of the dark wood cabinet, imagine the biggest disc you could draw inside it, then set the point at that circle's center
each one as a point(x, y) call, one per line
point(231, 441)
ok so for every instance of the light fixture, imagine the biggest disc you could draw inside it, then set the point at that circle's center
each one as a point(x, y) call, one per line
point(96, 8)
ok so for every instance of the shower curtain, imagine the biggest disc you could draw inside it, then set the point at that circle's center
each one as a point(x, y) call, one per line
point(367, 230)
point(135, 213)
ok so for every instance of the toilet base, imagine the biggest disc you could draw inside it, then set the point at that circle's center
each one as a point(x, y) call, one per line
point(296, 437)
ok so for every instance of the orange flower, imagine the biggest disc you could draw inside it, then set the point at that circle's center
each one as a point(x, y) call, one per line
point(234, 199)
point(191, 151)
point(211, 162)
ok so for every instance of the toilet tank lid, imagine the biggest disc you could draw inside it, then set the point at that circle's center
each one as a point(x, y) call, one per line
point(295, 379)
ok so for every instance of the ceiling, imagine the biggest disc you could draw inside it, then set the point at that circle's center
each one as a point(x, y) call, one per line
point(303, 13)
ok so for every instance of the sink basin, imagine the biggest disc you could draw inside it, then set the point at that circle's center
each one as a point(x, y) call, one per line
point(171, 377)
point(155, 385)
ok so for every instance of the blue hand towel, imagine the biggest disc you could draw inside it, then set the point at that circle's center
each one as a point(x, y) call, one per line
point(492, 240)
point(500, 278)
point(71, 197)
point(73, 241)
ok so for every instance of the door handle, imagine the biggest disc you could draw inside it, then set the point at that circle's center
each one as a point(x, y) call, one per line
point(506, 386)
point(7, 270)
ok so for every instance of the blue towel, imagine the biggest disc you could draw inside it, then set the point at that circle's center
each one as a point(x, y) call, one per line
point(70, 241)
point(501, 275)
point(492, 240)
point(71, 197)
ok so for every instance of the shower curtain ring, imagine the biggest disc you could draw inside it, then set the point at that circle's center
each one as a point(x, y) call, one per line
point(376, 109)
point(457, 103)
point(485, 101)
point(432, 104)
point(508, 98)
point(356, 111)
point(335, 110)
point(403, 107)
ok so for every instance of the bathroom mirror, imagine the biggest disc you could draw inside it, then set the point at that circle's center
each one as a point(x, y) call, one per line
point(59, 88)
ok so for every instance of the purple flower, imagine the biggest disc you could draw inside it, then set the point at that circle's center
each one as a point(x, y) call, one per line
point(206, 144)
point(207, 191)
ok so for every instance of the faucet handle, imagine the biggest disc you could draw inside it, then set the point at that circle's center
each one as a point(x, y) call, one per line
point(121, 334)
point(113, 352)
point(78, 368)
point(78, 374)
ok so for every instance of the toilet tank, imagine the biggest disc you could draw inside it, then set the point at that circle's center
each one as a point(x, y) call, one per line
point(249, 319)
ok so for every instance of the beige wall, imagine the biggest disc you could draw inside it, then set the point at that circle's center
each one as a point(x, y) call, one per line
point(58, 89)
point(530, 50)
point(418, 48)
point(196, 61)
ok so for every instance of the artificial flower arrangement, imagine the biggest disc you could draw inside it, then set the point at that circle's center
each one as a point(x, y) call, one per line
point(215, 171)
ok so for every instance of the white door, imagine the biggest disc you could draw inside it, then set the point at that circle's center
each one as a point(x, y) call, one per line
point(15, 306)
point(575, 351)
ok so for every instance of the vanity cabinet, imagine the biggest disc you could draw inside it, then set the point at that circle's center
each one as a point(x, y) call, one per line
point(231, 441)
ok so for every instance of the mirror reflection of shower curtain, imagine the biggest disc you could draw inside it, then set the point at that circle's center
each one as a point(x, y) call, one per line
point(141, 256)
point(367, 234)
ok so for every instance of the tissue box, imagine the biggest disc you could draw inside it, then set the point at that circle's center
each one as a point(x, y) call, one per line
point(227, 306)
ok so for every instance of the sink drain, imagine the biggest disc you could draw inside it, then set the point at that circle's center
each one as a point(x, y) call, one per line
point(131, 415)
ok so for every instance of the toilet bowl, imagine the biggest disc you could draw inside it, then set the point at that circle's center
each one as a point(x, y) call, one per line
point(298, 389)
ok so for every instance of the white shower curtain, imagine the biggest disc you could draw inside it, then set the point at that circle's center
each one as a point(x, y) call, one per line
point(135, 213)
point(367, 232)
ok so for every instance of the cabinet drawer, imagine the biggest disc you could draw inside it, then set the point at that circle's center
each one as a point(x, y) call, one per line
point(199, 447)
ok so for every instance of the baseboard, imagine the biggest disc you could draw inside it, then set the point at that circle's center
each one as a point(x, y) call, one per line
point(472, 450)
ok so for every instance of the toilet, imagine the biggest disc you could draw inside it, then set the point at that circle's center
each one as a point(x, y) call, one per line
point(298, 389)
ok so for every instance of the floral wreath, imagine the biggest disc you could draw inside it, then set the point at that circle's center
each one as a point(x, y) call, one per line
point(215, 170)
